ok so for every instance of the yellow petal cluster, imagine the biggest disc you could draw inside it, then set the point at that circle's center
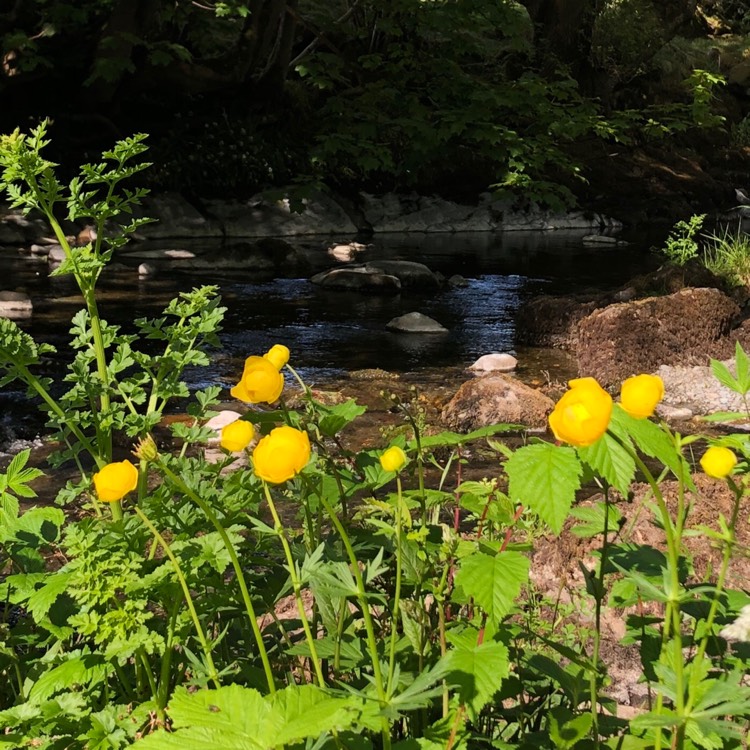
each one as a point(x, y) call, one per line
point(582, 414)
point(640, 394)
point(237, 435)
point(281, 454)
point(113, 481)
point(277, 355)
point(718, 461)
point(261, 382)
point(393, 459)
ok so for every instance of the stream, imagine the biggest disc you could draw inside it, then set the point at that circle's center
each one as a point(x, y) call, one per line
point(331, 333)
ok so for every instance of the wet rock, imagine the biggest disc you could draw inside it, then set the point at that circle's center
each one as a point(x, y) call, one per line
point(495, 362)
point(258, 217)
point(56, 255)
point(494, 399)
point(415, 322)
point(623, 339)
point(15, 305)
point(599, 239)
point(17, 228)
point(147, 269)
point(457, 282)
point(358, 279)
point(346, 252)
point(410, 274)
point(175, 217)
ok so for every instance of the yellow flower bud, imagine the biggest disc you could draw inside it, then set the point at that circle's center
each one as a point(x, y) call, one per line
point(281, 454)
point(115, 480)
point(277, 355)
point(582, 414)
point(718, 461)
point(261, 381)
point(237, 435)
point(393, 459)
point(640, 394)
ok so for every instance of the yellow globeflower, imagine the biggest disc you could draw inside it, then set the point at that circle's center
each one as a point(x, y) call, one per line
point(281, 454)
point(278, 355)
point(582, 415)
point(640, 394)
point(718, 462)
point(393, 459)
point(261, 381)
point(113, 481)
point(236, 436)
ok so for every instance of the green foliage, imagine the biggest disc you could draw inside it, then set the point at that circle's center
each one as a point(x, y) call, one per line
point(681, 246)
point(727, 255)
point(374, 610)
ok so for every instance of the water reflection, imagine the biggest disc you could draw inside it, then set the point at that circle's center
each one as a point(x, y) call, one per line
point(331, 332)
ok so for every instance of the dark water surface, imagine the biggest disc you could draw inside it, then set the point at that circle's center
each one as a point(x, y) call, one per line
point(330, 332)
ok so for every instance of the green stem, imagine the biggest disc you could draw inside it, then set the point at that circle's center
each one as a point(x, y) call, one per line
point(28, 377)
point(237, 570)
point(151, 683)
point(296, 585)
point(366, 615)
point(729, 543)
point(397, 594)
point(213, 674)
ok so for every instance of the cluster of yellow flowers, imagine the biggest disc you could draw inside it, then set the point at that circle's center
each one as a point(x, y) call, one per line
point(583, 413)
point(579, 418)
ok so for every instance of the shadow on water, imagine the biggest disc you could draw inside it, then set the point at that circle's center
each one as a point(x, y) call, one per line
point(331, 333)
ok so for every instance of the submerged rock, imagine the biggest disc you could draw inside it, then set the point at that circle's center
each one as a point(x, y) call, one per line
point(358, 278)
point(415, 322)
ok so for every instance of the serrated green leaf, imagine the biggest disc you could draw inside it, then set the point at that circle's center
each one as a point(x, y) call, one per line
point(493, 582)
point(80, 670)
point(742, 366)
point(611, 460)
point(545, 478)
point(477, 670)
point(724, 376)
point(592, 519)
point(335, 418)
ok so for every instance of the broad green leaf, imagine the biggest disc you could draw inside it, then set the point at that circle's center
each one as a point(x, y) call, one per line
point(565, 730)
point(43, 598)
point(724, 376)
point(493, 582)
point(594, 518)
point(448, 438)
point(239, 716)
point(308, 712)
point(335, 418)
point(611, 460)
point(742, 366)
point(80, 670)
point(477, 670)
point(545, 478)
point(654, 441)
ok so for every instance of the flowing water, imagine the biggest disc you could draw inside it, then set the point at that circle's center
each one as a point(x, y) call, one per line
point(331, 333)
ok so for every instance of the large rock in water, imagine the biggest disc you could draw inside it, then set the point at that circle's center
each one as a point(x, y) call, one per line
point(688, 327)
point(495, 399)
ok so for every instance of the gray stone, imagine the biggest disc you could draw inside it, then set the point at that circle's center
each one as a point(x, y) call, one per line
point(674, 413)
point(346, 252)
point(495, 362)
point(599, 239)
point(358, 279)
point(415, 322)
point(409, 273)
point(56, 255)
point(258, 217)
point(15, 304)
point(175, 217)
point(457, 281)
point(496, 399)
point(147, 269)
